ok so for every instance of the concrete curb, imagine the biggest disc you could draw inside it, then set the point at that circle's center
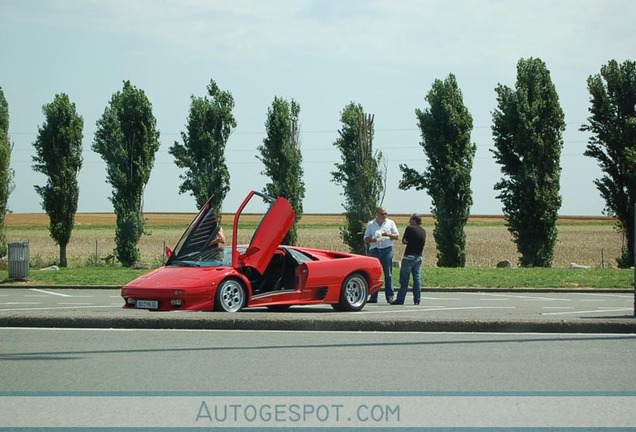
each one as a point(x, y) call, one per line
point(330, 322)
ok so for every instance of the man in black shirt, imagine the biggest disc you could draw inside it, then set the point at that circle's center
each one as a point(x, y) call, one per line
point(414, 238)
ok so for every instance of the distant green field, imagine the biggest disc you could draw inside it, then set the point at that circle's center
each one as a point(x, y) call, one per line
point(591, 242)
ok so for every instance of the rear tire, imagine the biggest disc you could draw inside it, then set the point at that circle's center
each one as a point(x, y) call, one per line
point(353, 294)
point(230, 296)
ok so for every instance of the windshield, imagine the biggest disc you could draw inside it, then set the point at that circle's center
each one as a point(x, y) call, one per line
point(215, 257)
point(197, 243)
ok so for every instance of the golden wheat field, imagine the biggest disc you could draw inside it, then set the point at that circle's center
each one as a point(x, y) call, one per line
point(587, 241)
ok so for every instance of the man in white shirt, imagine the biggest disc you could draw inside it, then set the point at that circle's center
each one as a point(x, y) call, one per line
point(379, 235)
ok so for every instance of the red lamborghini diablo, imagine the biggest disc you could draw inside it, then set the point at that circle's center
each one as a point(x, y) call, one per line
point(261, 274)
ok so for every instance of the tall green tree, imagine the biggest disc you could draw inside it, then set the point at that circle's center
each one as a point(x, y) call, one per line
point(360, 174)
point(202, 153)
point(280, 153)
point(612, 124)
point(58, 155)
point(528, 127)
point(6, 173)
point(445, 128)
point(127, 140)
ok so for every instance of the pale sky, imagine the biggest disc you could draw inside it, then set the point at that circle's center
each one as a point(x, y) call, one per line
point(324, 54)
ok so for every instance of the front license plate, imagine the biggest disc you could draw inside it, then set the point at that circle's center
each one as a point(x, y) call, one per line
point(147, 304)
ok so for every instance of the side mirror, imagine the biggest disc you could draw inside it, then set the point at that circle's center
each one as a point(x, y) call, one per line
point(168, 252)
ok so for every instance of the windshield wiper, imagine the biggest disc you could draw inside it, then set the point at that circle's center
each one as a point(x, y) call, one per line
point(180, 263)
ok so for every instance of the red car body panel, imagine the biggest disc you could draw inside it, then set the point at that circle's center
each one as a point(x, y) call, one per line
point(271, 275)
point(192, 285)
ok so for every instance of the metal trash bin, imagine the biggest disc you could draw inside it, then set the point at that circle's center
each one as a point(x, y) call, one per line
point(19, 260)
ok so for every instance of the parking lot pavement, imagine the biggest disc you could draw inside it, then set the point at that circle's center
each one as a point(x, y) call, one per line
point(514, 304)
point(52, 299)
point(439, 311)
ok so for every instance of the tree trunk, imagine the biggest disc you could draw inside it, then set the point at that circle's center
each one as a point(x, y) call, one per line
point(63, 262)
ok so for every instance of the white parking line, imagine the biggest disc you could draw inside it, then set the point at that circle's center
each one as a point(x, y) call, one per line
point(426, 309)
point(50, 292)
point(605, 295)
point(441, 298)
point(516, 296)
point(76, 304)
point(56, 308)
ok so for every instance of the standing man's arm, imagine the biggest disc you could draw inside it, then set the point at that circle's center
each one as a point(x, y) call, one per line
point(368, 235)
point(394, 234)
point(405, 239)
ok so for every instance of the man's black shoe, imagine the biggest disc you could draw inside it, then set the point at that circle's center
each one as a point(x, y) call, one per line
point(396, 303)
point(372, 301)
point(417, 303)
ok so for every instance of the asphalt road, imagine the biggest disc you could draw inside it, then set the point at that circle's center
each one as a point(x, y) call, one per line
point(159, 378)
point(410, 366)
point(125, 360)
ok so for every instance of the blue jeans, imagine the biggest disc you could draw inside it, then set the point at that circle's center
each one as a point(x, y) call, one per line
point(385, 255)
point(411, 265)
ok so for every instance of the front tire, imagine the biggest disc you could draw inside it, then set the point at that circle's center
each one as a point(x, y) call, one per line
point(230, 296)
point(353, 294)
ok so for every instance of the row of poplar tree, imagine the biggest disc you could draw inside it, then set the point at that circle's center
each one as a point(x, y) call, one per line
point(528, 124)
